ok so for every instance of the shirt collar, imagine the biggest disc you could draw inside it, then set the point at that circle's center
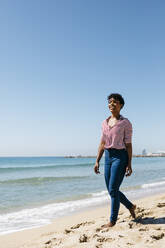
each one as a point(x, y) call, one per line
point(120, 118)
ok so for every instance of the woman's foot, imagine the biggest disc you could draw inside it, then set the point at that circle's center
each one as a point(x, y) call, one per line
point(110, 224)
point(132, 211)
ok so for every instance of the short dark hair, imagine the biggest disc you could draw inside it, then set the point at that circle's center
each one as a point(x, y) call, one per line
point(117, 97)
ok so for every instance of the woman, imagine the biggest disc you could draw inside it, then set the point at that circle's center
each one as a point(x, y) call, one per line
point(116, 142)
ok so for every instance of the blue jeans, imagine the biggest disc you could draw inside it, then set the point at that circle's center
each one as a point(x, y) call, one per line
point(116, 162)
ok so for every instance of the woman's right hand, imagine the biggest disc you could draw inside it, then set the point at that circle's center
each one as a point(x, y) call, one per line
point(96, 168)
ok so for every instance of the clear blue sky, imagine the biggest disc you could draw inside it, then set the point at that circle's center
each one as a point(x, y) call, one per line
point(59, 61)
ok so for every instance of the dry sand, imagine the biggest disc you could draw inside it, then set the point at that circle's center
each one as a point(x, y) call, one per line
point(84, 229)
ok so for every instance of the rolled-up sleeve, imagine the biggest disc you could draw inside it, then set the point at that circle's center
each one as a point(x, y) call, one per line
point(128, 132)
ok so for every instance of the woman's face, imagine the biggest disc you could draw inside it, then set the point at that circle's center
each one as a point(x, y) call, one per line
point(114, 105)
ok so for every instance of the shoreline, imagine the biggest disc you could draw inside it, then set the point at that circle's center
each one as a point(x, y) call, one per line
point(89, 220)
point(83, 206)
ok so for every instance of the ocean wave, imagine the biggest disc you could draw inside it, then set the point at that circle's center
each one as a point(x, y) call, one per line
point(34, 217)
point(39, 180)
point(98, 194)
point(42, 167)
point(153, 185)
point(105, 192)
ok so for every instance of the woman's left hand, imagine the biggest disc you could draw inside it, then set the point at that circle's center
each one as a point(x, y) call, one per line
point(128, 171)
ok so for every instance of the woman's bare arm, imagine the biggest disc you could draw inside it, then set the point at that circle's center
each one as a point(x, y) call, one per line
point(129, 166)
point(99, 156)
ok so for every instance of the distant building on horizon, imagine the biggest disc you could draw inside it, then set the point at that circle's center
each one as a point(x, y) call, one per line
point(156, 154)
point(144, 153)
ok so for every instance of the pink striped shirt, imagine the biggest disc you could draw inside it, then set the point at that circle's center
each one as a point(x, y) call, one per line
point(118, 135)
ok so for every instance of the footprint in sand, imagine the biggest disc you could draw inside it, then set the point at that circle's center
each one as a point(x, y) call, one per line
point(104, 239)
point(121, 236)
point(83, 224)
point(129, 243)
point(141, 212)
point(83, 238)
point(108, 239)
point(157, 236)
point(98, 229)
point(98, 246)
point(143, 229)
point(96, 235)
point(130, 225)
point(101, 239)
point(48, 242)
point(161, 205)
point(52, 242)
point(158, 228)
point(66, 231)
point(105, 230)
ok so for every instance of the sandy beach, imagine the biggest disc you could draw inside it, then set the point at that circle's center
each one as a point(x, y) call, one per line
point(84, 229)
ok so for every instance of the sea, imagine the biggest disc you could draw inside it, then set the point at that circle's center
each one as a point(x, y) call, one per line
point(34, 191)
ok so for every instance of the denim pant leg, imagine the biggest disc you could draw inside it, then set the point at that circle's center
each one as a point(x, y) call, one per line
point(114, 171)
point(124, 200)
point(117, 175)
point(107, 168)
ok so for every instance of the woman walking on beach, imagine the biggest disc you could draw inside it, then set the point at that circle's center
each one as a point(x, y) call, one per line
point(116, 142)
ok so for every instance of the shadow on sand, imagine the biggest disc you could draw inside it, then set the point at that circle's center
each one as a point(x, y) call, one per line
point(150, 220)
